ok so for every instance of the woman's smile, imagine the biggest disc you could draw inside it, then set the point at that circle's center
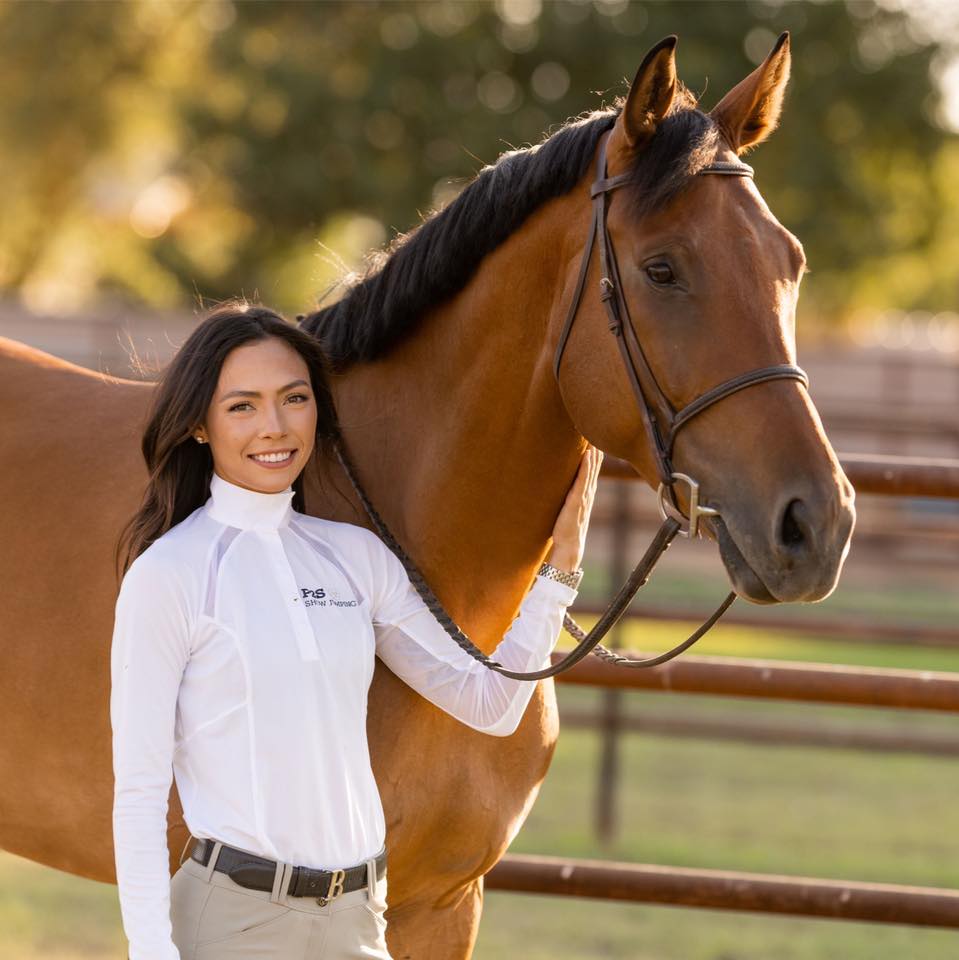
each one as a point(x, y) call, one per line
point(274, 459)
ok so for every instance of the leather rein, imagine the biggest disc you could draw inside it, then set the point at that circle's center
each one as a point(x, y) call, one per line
point(661, 442)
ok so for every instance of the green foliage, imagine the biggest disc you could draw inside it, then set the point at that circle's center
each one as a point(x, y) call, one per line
point(160, 150)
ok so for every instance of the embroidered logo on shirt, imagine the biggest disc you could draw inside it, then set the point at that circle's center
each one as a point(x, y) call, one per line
point(321, 597)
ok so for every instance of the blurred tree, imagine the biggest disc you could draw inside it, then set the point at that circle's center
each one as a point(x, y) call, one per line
point(156, 150)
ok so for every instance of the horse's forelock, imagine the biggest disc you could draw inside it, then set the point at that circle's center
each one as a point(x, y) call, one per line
point(684, 143)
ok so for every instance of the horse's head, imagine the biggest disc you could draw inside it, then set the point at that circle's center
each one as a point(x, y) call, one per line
point(708, 281)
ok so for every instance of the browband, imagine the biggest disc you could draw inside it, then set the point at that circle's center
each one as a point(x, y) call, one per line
point(726, 168)
point(730, 168)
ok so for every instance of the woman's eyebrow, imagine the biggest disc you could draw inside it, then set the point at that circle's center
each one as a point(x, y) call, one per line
point(256, 393)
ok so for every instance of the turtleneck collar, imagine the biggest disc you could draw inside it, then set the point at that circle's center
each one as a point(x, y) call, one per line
point(237, 506)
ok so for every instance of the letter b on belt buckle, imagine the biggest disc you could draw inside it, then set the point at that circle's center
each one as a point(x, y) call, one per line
point(336, 887)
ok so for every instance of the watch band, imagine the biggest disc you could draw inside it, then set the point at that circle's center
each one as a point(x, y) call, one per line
point(562, 576)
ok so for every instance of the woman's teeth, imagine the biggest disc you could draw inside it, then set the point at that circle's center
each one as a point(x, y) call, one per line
point(272, 457)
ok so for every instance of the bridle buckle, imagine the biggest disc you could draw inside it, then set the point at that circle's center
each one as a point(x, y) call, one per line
point(696, 510)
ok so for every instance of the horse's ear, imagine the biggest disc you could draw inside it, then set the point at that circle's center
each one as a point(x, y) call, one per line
point(651, 93)
point(750, 111)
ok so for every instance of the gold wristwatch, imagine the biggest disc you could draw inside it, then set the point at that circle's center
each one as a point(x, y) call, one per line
point(554, 573)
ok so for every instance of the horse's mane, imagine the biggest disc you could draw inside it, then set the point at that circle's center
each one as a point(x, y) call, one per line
point(435, 260)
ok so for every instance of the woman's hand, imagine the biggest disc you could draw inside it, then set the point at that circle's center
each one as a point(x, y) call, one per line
point(569, 533)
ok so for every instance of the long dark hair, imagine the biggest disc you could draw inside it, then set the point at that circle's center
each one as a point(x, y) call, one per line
point(180, 468)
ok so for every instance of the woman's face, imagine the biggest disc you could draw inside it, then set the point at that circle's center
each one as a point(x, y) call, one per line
point(263, 404)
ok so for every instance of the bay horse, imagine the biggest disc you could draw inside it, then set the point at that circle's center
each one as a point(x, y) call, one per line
point(466, 443)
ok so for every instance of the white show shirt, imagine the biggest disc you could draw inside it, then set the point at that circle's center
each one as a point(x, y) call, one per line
point(242, 653)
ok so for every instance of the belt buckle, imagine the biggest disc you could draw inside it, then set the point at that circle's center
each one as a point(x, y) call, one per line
point(336, 887)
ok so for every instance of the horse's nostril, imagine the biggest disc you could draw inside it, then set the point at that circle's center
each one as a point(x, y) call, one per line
point(792, 531)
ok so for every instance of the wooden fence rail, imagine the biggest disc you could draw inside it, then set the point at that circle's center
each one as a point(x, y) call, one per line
point(725, 890)
point(769, 731)
point(778, 680)
point(855, 630)
point(893, 476)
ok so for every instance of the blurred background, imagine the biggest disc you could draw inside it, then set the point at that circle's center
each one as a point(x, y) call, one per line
point(160, 156)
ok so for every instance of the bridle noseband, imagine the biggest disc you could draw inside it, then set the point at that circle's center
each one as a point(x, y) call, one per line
point(638, 370)
point(662, 443)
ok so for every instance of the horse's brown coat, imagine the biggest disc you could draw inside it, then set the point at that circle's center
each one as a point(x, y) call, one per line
point(466, 446)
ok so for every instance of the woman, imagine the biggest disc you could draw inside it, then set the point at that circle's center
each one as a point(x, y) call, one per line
point(243, 650)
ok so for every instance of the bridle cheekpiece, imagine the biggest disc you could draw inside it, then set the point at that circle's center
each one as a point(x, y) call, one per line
point(637, 366)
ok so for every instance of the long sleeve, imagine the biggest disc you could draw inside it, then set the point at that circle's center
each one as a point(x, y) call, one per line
point(418, 650)
point(150, 649)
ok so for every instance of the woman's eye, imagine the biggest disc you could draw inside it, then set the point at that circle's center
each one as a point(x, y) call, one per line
point(302, 397)
point(661, 273)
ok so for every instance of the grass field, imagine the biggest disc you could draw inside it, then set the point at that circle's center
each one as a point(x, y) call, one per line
point(831, 813)
point(811, 811)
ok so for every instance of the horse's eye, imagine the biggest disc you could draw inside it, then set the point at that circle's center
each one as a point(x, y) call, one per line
point(660, 273)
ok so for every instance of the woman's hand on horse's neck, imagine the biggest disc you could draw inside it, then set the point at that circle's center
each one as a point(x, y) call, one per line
point(569, 531)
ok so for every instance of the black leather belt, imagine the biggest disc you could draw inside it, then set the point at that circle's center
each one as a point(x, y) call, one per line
point(257, 873)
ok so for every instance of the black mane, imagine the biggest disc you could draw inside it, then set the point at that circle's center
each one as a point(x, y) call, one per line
point(426, 266)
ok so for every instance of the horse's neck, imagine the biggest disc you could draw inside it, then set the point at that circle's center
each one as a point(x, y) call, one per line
point(460, 436)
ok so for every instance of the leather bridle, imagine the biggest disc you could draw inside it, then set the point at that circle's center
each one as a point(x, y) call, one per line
point(637, 366)
point(662, 443)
